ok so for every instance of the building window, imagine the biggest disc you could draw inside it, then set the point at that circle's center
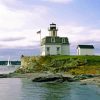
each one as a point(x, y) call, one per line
point(63, 40)
point(53, 40)
point(58, 50)
point(48, 49)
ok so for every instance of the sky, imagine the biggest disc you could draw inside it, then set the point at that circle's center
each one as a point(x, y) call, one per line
point(79, 20)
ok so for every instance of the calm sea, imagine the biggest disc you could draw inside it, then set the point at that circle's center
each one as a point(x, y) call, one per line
point(25, 89)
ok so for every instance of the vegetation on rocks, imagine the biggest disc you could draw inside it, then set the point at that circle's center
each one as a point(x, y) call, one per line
point(75, 65)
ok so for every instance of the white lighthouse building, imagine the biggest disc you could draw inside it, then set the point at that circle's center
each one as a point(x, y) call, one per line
point(53, 44)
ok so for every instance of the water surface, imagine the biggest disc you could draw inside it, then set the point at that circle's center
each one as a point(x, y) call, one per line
point(4, 69)
point(25, 89)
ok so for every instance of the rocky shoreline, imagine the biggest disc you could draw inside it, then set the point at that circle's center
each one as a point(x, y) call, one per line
point(58, 77)
point(95, 81)
point(52, 78)
point(83, 79)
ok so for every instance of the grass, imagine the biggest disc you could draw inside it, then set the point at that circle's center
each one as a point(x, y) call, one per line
point(67, 64)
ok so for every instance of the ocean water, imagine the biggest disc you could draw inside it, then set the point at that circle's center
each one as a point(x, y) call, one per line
point(8, 69)
point(25, 89)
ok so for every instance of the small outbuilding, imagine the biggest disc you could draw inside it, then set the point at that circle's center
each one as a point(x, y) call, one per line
point(85, 50)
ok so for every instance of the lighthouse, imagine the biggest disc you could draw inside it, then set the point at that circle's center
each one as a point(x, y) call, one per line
point(54, 44)
point(53, 30)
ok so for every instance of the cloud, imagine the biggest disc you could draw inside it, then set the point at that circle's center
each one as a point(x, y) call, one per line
point(59, 1)
point(18, 19)
point(19, 26)
point(79, 34)
point(12, 39)
point(11, 2)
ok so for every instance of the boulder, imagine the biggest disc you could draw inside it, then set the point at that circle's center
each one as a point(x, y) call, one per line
point(3, 75)
point(52, 78)
point(84, 76)
point(83, 83)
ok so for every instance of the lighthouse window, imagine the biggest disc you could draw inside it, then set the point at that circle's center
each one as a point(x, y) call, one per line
point(58, 48)
point(63, 40)
point(48, 49)
point(53, 40)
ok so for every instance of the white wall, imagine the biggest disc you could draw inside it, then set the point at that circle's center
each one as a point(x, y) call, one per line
point(43, 50)
point(65, 49)
point(53, 49)
point(85, 51)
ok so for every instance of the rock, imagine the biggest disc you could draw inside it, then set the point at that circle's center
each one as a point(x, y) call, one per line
point(69, 79)
point(3, 75)
point(84, 76)
point(94, 80)
point(46, 78)
point(83, 83)
point(52, 78)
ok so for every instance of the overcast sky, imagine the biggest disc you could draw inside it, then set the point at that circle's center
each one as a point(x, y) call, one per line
point(79, 20)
